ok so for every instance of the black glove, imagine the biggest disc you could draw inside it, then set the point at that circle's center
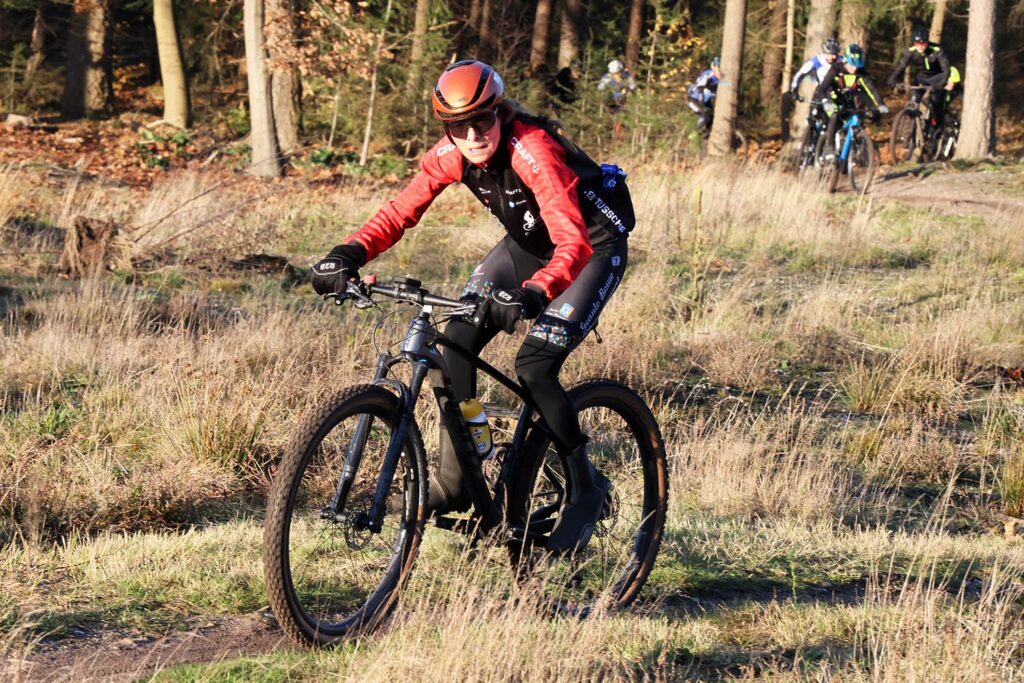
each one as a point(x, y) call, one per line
point(330, 275)
point(507, 306)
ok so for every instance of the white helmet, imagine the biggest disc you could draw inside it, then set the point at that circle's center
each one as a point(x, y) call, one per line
point(614, 66)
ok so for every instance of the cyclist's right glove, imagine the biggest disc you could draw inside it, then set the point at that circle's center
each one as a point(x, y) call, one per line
point(331, 274)
point(508, 306)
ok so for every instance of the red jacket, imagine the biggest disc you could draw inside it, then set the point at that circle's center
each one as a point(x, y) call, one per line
point(527, 185)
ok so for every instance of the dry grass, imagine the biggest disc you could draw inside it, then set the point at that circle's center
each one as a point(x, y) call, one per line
point(830, 398)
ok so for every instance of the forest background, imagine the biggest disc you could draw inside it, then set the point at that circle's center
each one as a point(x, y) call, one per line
point(332, 65)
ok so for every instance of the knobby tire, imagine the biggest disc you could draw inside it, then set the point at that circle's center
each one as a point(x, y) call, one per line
point(626, 444)
point(347, 601)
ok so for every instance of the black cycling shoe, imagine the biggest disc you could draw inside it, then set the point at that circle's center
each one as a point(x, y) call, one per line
point(439, 500)
point(585, 506)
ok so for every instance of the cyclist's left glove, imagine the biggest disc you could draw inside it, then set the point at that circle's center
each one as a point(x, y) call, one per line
point(883, 110)
point(507, 306)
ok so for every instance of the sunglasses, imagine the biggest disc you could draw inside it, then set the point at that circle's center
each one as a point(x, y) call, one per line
point(482, 124)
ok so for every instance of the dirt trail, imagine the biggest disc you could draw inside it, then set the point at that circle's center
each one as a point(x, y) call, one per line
point(116, 657)
point(991, 194)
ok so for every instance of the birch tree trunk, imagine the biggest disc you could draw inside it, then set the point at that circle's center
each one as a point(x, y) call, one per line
point(727, 99)
point(88, 83)
point(262, 137)
point(977, 129)
point(37, 43)
point(820, 21)
point(281, 21)
point(365, 151)
point(854, 16)
point(571, 33)
point(541, 29)
point(636, 23)
point(419, 42)
point(938, 19)
point(771, 68)
point(177, 106)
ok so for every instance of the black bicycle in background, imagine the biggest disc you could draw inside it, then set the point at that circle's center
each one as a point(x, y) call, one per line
point(815, 126)
point(347, 509)
point(913, 138)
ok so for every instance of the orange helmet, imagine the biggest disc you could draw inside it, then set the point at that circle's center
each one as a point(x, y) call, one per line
point(467, 88)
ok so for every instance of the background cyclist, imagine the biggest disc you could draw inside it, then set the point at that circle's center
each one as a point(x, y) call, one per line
point(701, 94)
point(847, 86)
point(932, 69)
point(566, 221)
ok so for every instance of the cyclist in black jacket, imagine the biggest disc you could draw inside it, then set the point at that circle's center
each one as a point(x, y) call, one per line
point(932, 69)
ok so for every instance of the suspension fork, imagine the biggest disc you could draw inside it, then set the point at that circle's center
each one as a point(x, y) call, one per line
point(354, 456)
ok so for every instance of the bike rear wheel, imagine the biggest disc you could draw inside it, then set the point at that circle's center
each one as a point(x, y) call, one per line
point(861, 163)
point(626, 445)
point(903, 139)
point(328, 577)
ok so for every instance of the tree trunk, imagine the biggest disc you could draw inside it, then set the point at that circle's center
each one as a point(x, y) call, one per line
point(365, 152)
point(938, 19)
point(727, 99)
point(771, 68)
point(172, 70)
point(787, 70)
point(485, 48)
point(474, 16)
point(854, 16)
point(285, 82)
point(541, 29)
point(571, 33)
point(262, 138)
point(37, 44)
point(88, 84)
point(419, 43)
point(977, 130)
point(636, 24)
point(820, 21)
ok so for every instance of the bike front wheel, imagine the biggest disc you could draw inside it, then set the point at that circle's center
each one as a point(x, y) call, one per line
point(904, 138)
point(328, 576)
point(626, 445)
point(825, 153)
point(861, 163)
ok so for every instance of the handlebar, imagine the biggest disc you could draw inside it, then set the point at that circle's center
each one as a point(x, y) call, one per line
point(405, 290)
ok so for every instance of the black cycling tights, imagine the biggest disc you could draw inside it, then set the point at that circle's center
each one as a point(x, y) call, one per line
point(562, 326)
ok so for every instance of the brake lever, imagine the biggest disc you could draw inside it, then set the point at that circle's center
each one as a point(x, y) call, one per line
point(475, 312)
point(357, 291)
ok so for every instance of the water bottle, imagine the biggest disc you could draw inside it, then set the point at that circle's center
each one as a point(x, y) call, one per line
point(476, 420)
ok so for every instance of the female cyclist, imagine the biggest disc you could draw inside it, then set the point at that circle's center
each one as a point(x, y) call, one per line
point(566, 221)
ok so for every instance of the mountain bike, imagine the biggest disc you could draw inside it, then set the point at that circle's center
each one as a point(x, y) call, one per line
point(806, 158)
point(347, 510)
point(739, 146)
point(850, 150)
point(912, 137)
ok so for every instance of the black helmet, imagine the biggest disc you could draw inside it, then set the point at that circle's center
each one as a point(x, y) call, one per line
point(920, 35)
point(831, 46)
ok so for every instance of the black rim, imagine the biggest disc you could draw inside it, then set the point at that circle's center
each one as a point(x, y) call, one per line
point(342, 580)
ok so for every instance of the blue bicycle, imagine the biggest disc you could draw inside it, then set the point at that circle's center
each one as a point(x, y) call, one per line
point(849, 150)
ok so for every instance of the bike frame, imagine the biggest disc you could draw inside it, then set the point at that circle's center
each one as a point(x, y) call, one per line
point(420, 350)
point(850, 126)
